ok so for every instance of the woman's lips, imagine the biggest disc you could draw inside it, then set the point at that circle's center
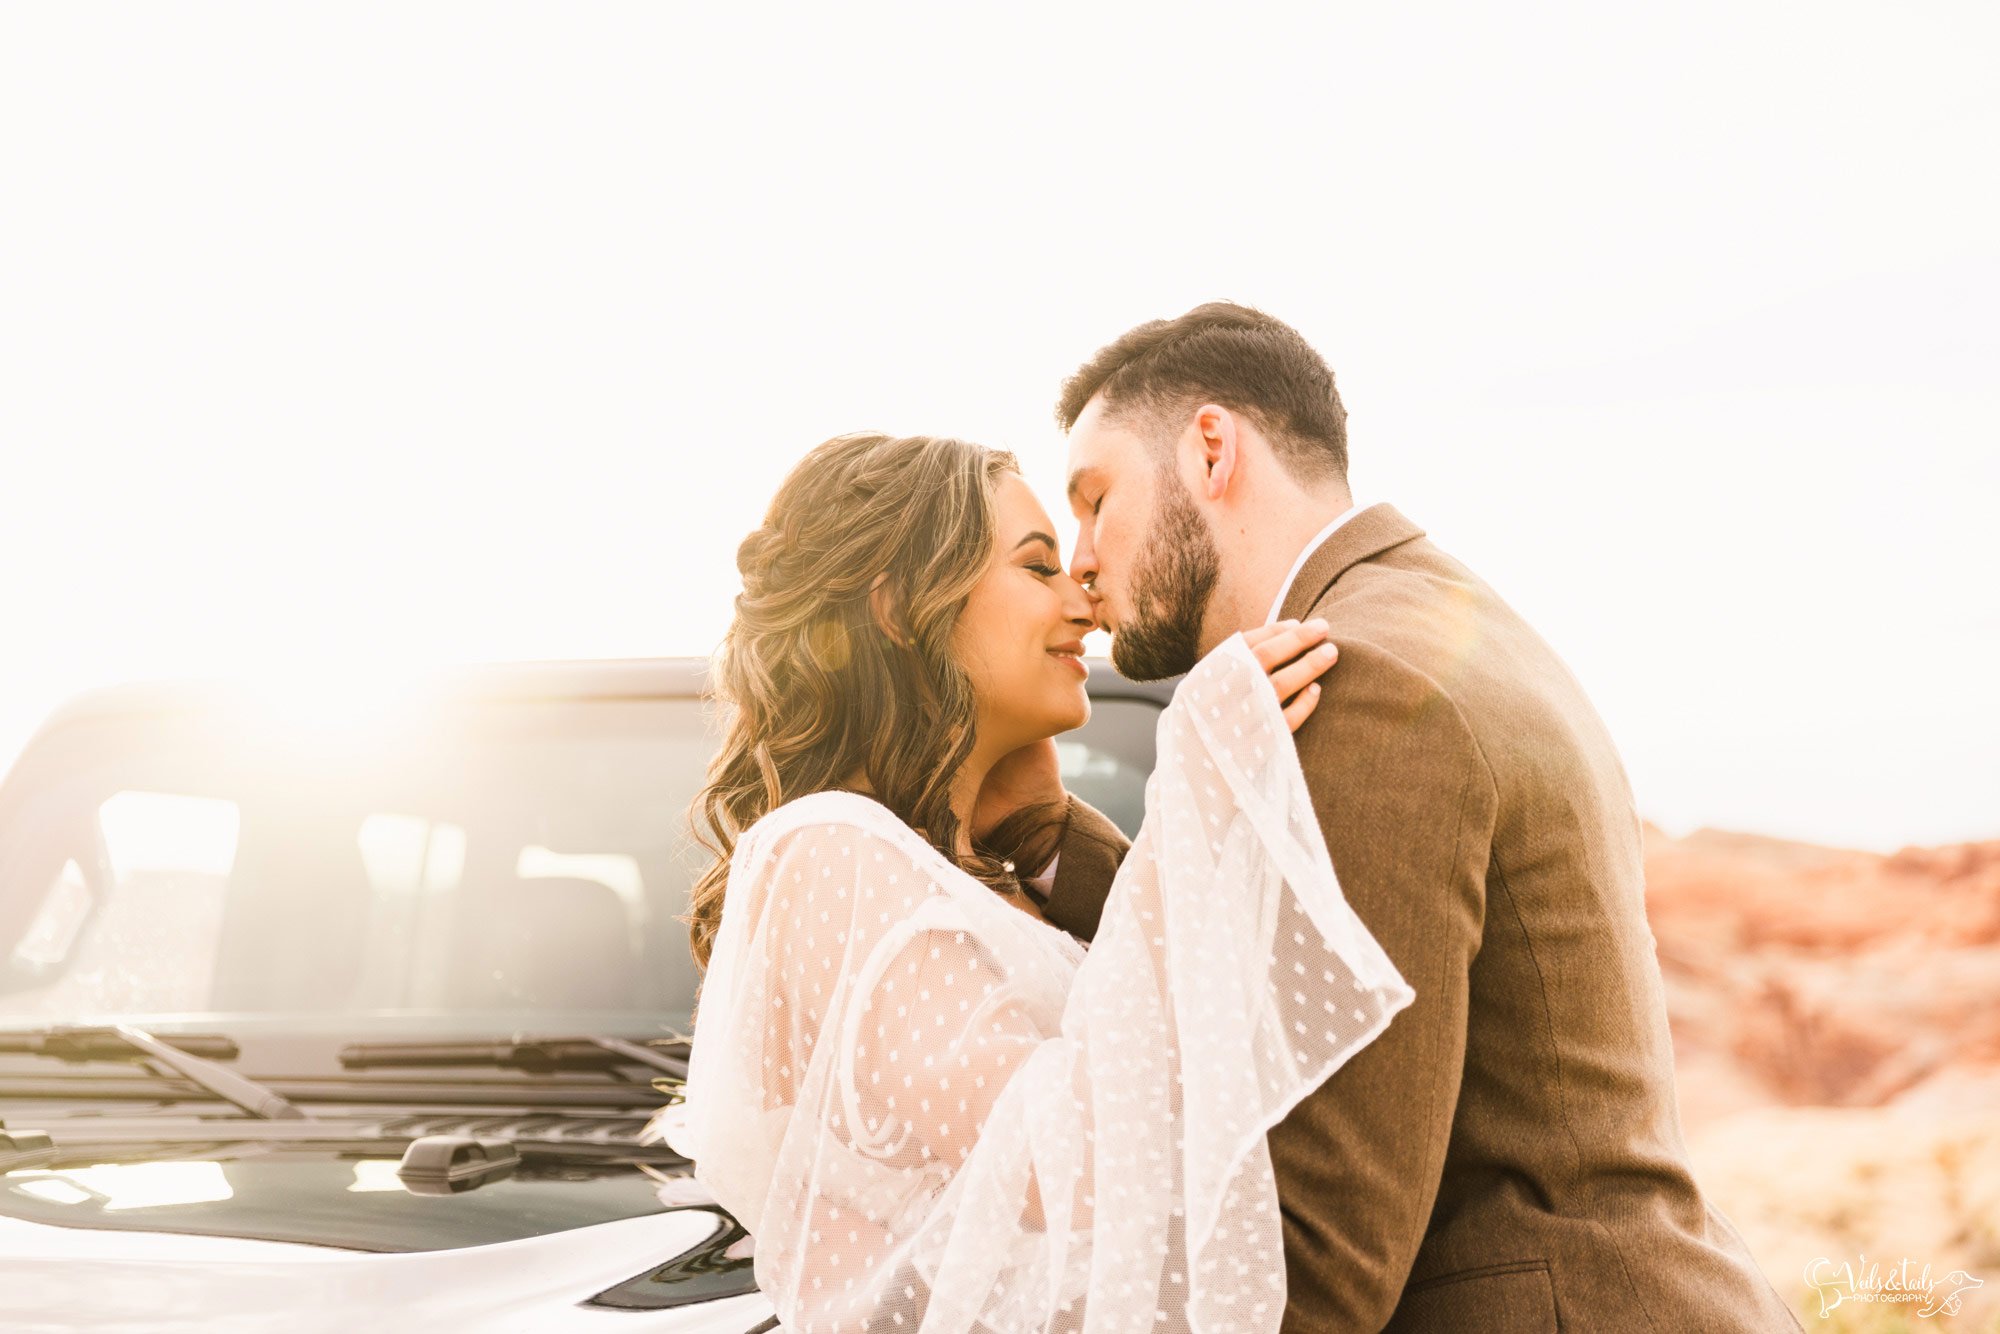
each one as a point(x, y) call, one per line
point(1071, 659)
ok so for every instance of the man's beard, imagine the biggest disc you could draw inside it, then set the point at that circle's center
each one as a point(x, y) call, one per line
point(1171, 587)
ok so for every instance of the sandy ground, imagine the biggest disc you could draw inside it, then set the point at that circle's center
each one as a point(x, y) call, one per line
point(1836, 1022)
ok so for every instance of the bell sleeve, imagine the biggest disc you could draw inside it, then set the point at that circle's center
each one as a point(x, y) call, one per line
point(932, 1117)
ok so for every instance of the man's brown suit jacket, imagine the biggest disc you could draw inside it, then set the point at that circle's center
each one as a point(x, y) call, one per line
point(1507, 1156)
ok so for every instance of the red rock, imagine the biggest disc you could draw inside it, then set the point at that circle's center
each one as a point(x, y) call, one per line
point(1824, 976)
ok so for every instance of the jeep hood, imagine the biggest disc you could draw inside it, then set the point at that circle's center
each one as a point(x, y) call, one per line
point(162, 1282)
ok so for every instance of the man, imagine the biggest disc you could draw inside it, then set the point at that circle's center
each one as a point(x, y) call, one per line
point(1507, 1156)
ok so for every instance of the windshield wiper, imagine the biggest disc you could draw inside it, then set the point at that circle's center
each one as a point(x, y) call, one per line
point(538, 1056)
point(74, 1043)
point(123, 1042)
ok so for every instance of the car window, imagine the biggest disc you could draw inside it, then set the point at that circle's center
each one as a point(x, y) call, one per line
point(501, 865)
point(1106, 761)
point(503, 859)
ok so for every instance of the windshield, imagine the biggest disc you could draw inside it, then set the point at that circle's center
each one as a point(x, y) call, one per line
point(475, 867)
point(486, 863)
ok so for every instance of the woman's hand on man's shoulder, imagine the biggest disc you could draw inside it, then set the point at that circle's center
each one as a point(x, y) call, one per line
point(1294, 655)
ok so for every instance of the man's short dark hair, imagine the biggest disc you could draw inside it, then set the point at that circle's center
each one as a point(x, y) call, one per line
point(1227, 354)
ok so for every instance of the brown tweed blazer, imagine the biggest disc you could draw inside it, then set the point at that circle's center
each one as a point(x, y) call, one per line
point(1507, 1157)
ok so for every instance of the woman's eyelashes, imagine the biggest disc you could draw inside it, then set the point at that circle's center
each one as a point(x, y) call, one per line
point(1046, 571)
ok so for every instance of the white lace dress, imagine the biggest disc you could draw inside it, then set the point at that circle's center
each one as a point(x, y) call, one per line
point(936, 1113)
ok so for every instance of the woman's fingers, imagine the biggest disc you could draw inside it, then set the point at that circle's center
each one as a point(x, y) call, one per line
point(1301, 706)
point(1295, 656)
point(1281, 641)
point(1303, 670)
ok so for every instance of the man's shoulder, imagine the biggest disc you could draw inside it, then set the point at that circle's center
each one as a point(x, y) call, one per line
point(1381, 636)
point(1416, 632)
point(1383, 702)
point(1378, 589)
point(1417, 620)
point(1418, 611)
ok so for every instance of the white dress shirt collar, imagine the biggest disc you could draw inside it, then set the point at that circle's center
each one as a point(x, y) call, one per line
point(1305, 554)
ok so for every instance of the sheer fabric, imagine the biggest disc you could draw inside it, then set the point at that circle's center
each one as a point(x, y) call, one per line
point(935, 1113)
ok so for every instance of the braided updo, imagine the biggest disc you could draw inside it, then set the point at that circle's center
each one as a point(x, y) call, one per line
point(815, 688)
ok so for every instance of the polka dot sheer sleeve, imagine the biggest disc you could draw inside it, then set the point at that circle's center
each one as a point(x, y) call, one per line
point(936, 1113)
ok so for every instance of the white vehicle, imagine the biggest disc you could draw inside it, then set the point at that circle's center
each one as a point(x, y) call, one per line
point(354, 1026)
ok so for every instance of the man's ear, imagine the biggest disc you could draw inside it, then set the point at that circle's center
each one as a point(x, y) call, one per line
point(882, 602)
point(1217, 446)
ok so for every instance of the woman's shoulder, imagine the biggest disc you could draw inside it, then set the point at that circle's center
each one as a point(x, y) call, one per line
point(836, 811)
point(831, 806)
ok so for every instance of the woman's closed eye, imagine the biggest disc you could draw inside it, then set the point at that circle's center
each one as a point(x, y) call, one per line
point(1046, 571)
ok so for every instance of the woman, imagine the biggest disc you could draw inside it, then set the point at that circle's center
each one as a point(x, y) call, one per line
point(927, 1105)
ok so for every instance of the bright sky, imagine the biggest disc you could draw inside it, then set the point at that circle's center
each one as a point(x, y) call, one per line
point(341, 338)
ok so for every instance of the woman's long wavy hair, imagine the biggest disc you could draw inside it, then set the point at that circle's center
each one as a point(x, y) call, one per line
point(813, 687)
